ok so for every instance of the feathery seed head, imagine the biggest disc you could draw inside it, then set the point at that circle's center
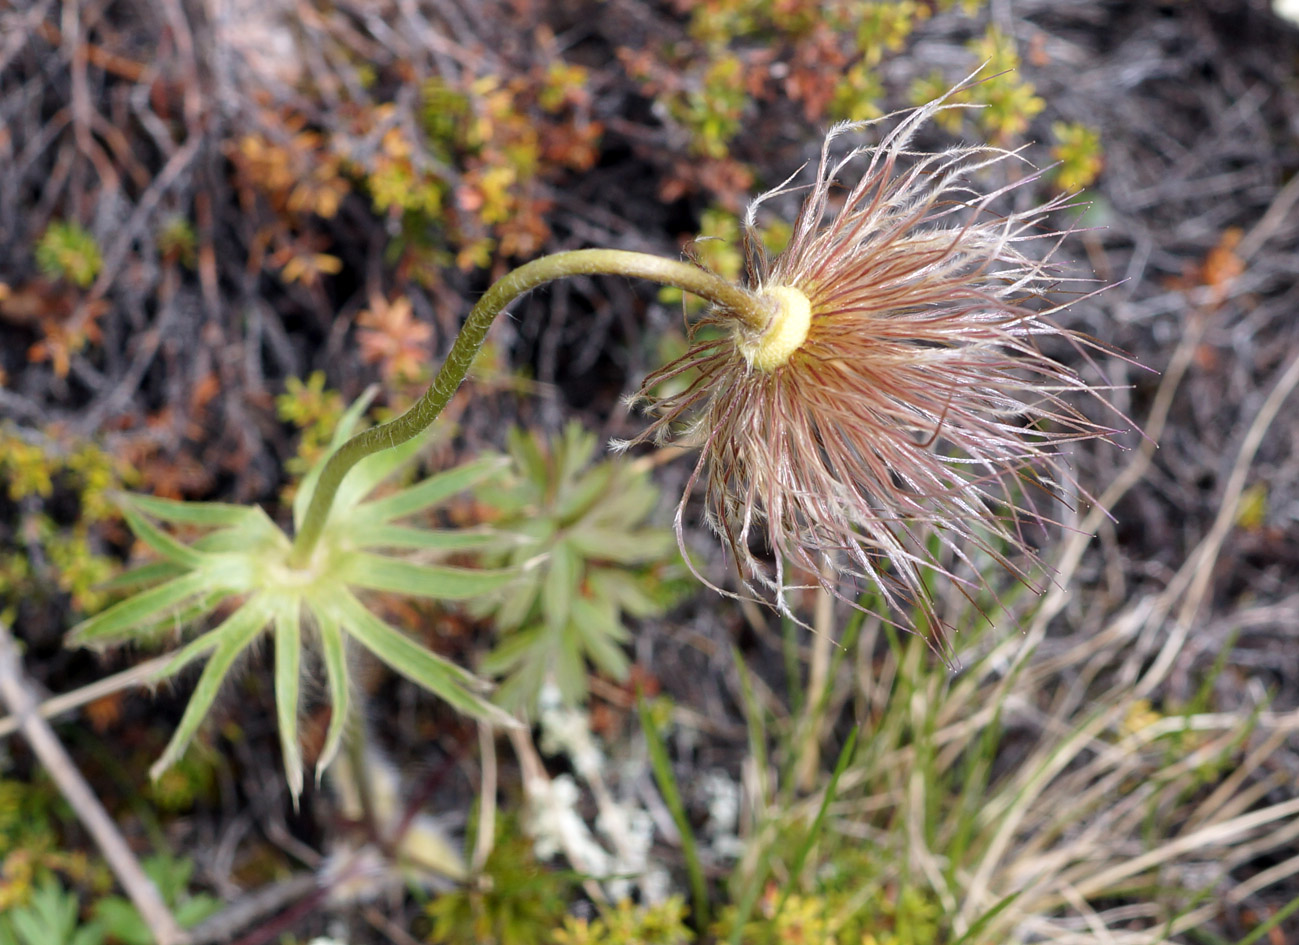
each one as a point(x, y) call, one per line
point(898, 391)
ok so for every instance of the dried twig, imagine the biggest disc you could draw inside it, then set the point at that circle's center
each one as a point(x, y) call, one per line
point(16, 692)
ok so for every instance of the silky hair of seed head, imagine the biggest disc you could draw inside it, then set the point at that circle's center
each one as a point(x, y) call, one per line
point(916, 427)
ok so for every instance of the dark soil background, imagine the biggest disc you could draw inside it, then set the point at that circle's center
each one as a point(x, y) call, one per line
point(1194, 224)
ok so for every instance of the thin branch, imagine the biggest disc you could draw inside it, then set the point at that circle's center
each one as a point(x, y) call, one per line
point(139, 675)
point(16, 692)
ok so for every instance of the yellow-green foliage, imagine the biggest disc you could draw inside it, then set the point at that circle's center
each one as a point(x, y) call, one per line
point(1009, 103)
point(515, 901)
point(713, 112)
point(313, 410)
point(1078, 149)
point(190, 779)
point(68, 251)
point(718, 248)
point(627, 924)
point(32, 816)
point(823, 55)
point(471, 175)
point(27, 469)
point(39, 550)
point(860, 912)
point(80, 570)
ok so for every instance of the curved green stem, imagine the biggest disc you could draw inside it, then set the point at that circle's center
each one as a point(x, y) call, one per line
point(744, 305)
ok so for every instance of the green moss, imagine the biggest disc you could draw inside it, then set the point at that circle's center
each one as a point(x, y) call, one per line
point(68, 251)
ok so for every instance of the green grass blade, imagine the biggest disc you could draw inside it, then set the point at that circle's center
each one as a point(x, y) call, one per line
point(1273, 921)
point(333, 651)
point(431, 491)
point(757, 730)
point(754, 722)
point(288, 673)
point(235, 634)
point(814, 831)
point(439, 676)
point(125, 617)
point(409, 537)
point(667, 782)
point(982, 922)
point(749, 898)
point(380, 573)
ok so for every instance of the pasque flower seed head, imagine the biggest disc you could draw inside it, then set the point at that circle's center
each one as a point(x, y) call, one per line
point(897, 391)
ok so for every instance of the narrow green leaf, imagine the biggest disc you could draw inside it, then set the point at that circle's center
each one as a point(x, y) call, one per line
point(525, 450)
point(431, 491)
point(409, 537)
point(379, 573)
point(176, 620)
point(333, 650)
point(209, 514)
point(814, 831)
point(578, 499)
point(518, 692)
point(257, 530)
point(239, 632)
point(517, 606)
point(575, 451)
point(122, 619)
point(159, 540)
point(624, 590)
point(975, 932)
point(667, 782)
point(441, 677)
point(146, 575)
point(204, 643)
point(755, 724)
point(601, 632)
point(620, 546)
point(565, 666)
point(288, 672)
point(521, 646)
point(1273, 921)
point(560, 585)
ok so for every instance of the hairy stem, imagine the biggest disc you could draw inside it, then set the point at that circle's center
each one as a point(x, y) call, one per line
point(744, 305)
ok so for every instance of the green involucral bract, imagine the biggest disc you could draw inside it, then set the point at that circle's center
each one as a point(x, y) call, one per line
point(241, 557)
